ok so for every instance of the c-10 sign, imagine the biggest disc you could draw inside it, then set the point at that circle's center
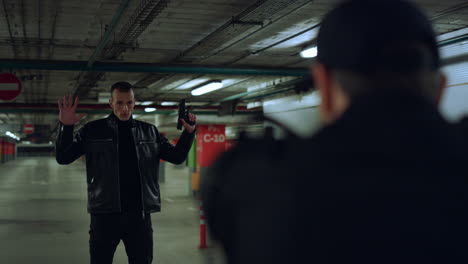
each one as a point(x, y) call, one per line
point(216, 138)
point(210, 143)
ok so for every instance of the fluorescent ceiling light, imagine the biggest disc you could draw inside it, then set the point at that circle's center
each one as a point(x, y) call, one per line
point(168, 103)
point(150, 109)
point(191, 84)
point(207, 88)
point(309, 53)
point(147, 103)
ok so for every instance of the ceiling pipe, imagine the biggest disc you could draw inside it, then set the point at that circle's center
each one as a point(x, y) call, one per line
point(265, 92)
point(449, 11)
point(102, 108)
point(270, 88)
point(205, 45)
point(465, 5)
point(39, 16)
point(115, 20)
point(260, 10)
point(143, 16)
point(454, 40)
point(105, 112)
point(5, 12)
point(217, 51)
point(88, 106)
point(23, 21)
point(257, 30)
point(65, 44)
point(318, 25)
point(147, 67)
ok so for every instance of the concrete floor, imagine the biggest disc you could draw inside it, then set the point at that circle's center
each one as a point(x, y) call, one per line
point(43, 216)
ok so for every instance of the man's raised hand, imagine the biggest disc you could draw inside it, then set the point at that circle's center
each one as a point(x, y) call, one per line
point(67, 114)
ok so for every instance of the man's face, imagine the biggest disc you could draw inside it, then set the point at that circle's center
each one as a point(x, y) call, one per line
point(122, 104)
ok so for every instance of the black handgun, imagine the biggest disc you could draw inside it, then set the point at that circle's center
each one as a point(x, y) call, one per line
point(183, 114)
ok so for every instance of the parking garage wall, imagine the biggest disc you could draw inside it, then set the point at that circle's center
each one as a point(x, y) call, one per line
point(7, 150)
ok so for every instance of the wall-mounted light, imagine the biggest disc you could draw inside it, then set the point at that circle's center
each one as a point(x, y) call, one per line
point(207, 88)
point(147, 103)
point(8, 133)
point(150, 109)
point(309, 52)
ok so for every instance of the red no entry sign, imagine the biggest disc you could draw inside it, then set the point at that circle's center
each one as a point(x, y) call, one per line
point(10, 86)
point(28, 128)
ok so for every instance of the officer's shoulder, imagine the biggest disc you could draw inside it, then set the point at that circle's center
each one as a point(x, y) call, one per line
point(462, 125)
point(464, 121)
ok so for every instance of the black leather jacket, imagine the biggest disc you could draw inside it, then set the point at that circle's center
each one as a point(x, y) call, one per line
point(98, 141)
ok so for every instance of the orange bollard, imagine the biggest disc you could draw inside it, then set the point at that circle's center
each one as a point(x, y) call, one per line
point(202, 229)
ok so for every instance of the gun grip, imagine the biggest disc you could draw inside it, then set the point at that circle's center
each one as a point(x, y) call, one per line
point(182, 114)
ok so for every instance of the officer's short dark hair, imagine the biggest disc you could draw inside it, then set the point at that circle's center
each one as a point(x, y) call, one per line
point(384, 45)
point(121, 86)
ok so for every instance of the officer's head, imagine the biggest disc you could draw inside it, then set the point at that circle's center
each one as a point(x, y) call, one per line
point(369, 47)
point(122, 100)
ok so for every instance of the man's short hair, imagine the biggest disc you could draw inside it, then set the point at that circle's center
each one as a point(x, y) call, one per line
point(121, 86)
point(384, 45)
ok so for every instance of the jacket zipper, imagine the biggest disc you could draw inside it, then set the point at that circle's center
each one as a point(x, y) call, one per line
point(101, 140)
point(118, 169)
point(139, 171)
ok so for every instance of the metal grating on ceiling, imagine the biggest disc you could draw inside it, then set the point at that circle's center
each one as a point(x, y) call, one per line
point(146, 12)
point(223, 37)
point(253, 17)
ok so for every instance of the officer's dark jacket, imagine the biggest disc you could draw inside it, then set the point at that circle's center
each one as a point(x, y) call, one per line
point(463, 126)
point(98, 141)
point(386, 183)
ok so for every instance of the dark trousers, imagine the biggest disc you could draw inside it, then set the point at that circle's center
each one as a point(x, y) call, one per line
point(106, 231)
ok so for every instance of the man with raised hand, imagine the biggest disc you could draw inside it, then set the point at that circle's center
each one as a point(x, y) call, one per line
point(122, 164)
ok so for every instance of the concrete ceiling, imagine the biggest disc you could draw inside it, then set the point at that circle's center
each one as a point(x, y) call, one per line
point(221, 33)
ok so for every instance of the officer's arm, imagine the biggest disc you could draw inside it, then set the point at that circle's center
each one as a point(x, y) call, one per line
point(67, 148)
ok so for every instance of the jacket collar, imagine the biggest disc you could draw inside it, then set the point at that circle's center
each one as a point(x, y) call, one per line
point(385, 107)
point(390, 113)
point(112, 119)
